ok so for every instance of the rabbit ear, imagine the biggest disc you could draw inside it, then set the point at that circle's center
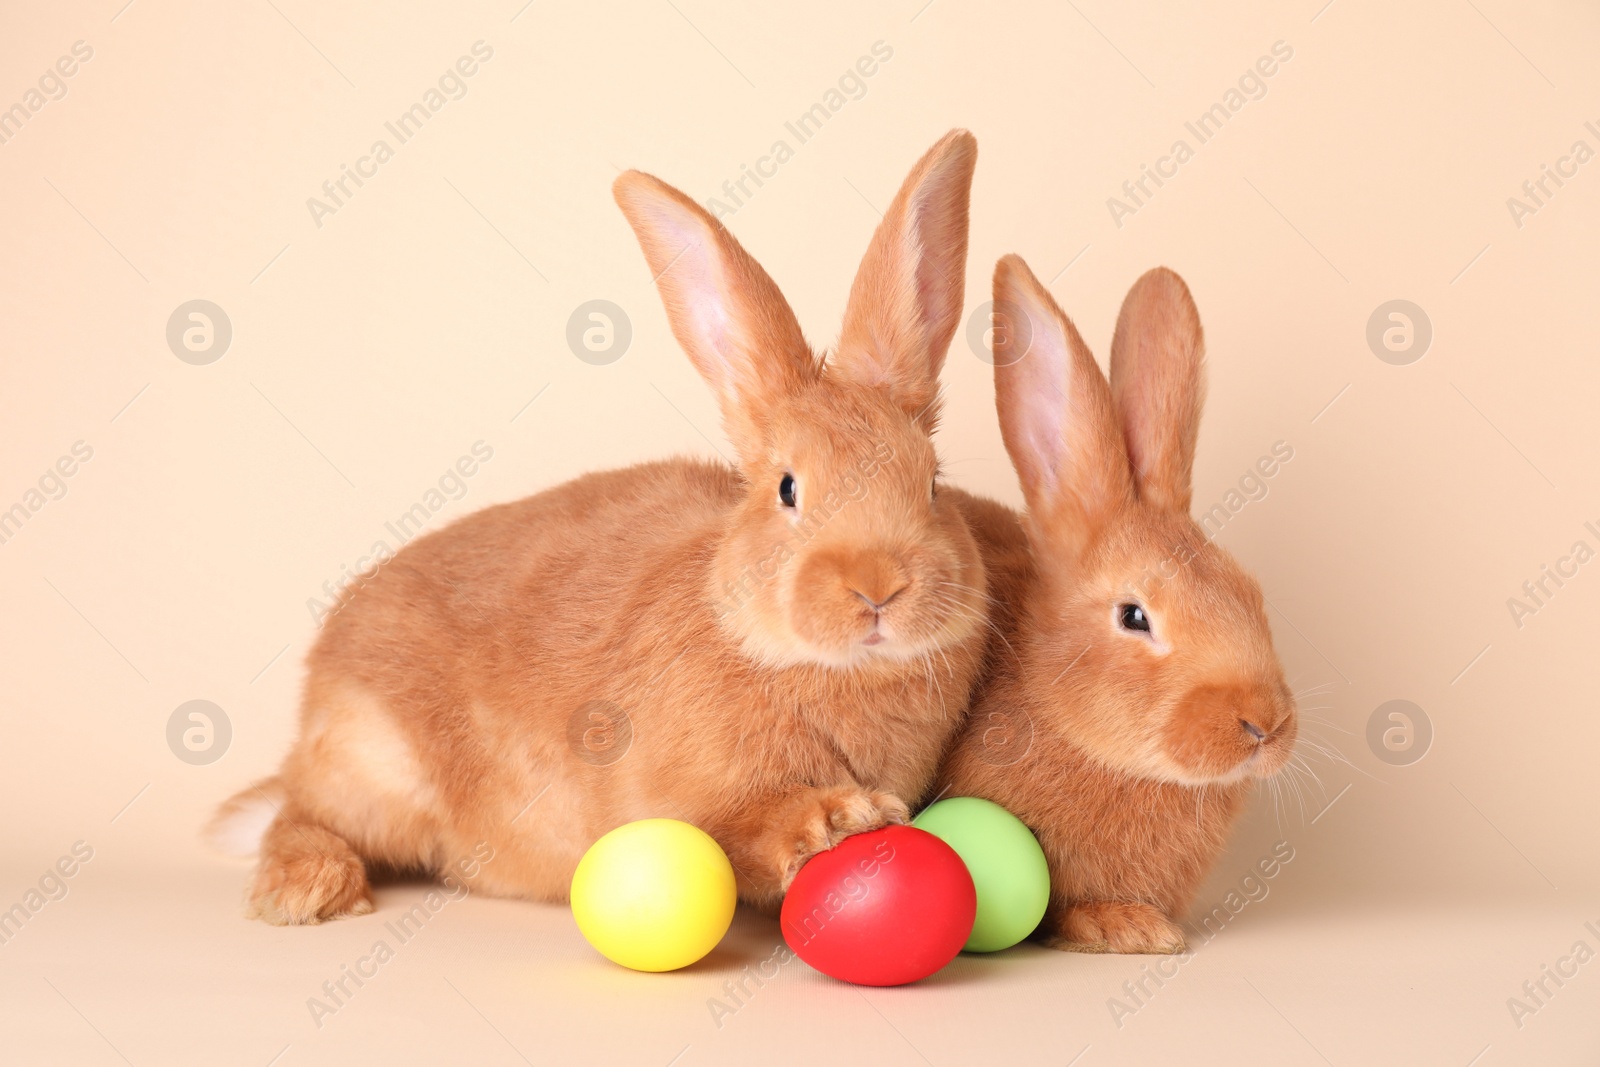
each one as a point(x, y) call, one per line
point(1157, 378)
point(724, 310)
point(906, 301)
point(1055, 413)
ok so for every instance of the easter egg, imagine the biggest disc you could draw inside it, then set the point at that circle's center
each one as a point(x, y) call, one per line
point(882, 908)
point(1006, 863)
point(654, 895)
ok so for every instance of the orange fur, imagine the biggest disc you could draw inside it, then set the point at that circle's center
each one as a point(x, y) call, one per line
point(1128, 754)
point(788, 676)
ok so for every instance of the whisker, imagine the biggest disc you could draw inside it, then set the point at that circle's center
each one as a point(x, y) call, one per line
point(1328, 752)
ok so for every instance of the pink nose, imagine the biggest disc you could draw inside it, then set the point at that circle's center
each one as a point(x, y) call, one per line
point(878, 605)
point(874, 577)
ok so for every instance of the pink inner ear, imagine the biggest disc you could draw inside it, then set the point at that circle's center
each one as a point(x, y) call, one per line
point(1041, 415)
point(906, 300)
point(709, 319)
point(932, 228)
point(1034, 386)
point(692, 277)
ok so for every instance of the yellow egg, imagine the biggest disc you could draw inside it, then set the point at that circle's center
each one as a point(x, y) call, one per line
point(654, 895)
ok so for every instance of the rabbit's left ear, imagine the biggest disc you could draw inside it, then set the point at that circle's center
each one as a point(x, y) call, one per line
point(1158, 384)
point(905, 303)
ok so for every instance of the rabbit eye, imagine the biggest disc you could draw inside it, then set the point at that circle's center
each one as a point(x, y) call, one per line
point(1133, 618)
point(786, 490)
point(933, 489)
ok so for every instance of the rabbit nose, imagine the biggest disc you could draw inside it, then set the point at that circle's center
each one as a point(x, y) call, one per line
point(1256, 733)
point(874, 576)
point(878, 605)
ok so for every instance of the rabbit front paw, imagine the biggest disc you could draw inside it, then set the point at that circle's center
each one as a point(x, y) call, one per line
point(1112, 926)
point(821, 818)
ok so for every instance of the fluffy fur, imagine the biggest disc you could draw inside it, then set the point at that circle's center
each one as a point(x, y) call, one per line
point(669, 639)
point(1128, 753)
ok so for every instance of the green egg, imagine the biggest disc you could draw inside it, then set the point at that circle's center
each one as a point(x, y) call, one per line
point(1006, 863)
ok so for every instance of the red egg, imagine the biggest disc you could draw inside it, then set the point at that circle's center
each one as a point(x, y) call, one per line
point(882, 908)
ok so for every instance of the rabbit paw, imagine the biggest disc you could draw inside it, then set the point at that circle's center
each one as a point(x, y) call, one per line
point(821, 818)
point(1113, 926)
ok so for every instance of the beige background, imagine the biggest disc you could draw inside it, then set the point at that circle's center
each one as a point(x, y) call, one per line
point(368, 354)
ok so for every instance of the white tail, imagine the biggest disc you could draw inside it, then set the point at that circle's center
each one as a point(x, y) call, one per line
point(239, 825)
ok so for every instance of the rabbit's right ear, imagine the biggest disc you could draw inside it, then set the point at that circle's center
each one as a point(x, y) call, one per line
point(1055, 412)
point(1158, 382)
point(905, 303)
point(725, 311)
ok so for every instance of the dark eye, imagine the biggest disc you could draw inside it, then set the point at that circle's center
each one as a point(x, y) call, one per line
point(786, 490)
point(933, 489)
point(1133, 618)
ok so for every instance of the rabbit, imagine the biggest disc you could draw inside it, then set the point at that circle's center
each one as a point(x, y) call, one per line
point(1138, 697)
point(776, 650)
